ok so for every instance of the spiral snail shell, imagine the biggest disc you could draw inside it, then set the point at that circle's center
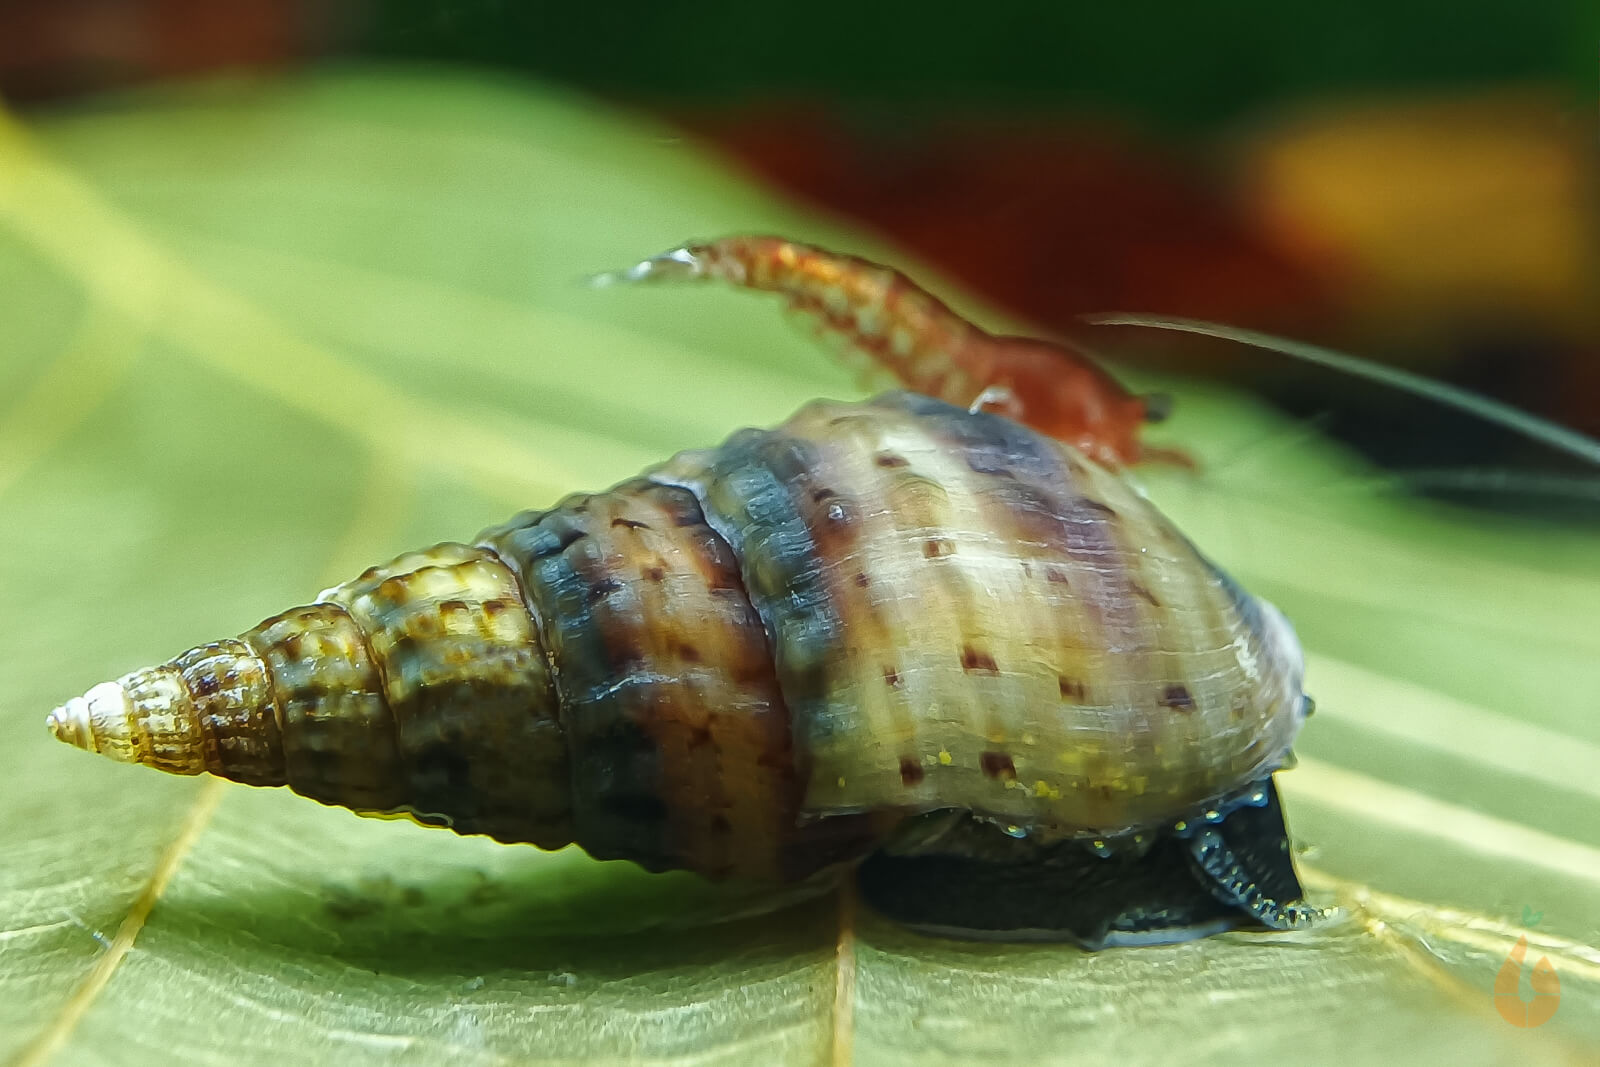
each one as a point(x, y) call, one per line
point(895, 626)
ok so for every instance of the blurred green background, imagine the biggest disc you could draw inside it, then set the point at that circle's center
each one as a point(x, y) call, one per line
point(288, 288)
point(1311, 169)
point(1180, 66)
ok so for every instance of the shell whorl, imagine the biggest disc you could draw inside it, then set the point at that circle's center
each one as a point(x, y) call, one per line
point(592, 673)
point(420, 686)
point(155, 717)
point(967, 614)
point(757, 659)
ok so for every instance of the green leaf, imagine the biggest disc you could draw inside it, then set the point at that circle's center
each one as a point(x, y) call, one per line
point(255, 337)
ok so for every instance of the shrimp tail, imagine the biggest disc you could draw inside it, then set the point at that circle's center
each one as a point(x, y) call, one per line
point(854, 304)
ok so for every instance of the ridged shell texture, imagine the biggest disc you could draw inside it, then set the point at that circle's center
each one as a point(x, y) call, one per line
point(758, 659)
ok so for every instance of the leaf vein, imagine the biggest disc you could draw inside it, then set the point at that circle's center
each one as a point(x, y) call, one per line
point(56, 1033)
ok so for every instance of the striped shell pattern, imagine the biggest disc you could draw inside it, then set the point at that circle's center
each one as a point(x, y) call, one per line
point(760, 659)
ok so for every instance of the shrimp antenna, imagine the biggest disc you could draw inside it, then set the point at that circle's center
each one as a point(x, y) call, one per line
point(1531, 426)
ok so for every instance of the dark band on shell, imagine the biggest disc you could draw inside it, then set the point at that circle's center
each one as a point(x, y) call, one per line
point(760, 659)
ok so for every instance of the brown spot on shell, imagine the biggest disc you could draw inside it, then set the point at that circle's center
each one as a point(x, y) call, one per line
point(1177, 697)
point(977, 661)
point(891, 678)
point(1144, 594)
point(862, 580)
point(891, 460)
point(998, 765)
point(1056, 576)
point(1072, 689)
point(655, 573)
point(937, 547)
point(911, 772)
point(630, 524)
point(626, 651)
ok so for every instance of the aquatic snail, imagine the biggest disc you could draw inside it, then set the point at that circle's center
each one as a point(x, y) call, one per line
point(901, 634)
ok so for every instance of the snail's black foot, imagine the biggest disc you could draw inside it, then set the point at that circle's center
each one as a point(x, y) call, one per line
point(1246, 863)
point(969, 883)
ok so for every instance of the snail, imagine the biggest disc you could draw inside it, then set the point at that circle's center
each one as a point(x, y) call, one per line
point(898, 629)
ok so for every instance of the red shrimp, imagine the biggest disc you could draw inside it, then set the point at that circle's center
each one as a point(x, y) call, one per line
point(875, 312)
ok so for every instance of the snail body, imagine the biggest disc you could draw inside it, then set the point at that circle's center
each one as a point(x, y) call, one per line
point(896, 625)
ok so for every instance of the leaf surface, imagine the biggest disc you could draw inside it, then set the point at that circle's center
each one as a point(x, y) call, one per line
point(256, 337)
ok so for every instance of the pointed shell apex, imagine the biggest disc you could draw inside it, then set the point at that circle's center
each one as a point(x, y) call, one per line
point(99, 721)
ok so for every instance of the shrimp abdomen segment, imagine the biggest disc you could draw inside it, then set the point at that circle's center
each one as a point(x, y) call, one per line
point(878, 317)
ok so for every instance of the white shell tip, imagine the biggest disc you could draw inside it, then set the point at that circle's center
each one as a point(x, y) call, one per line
point(96, 721)
point(70, 723)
